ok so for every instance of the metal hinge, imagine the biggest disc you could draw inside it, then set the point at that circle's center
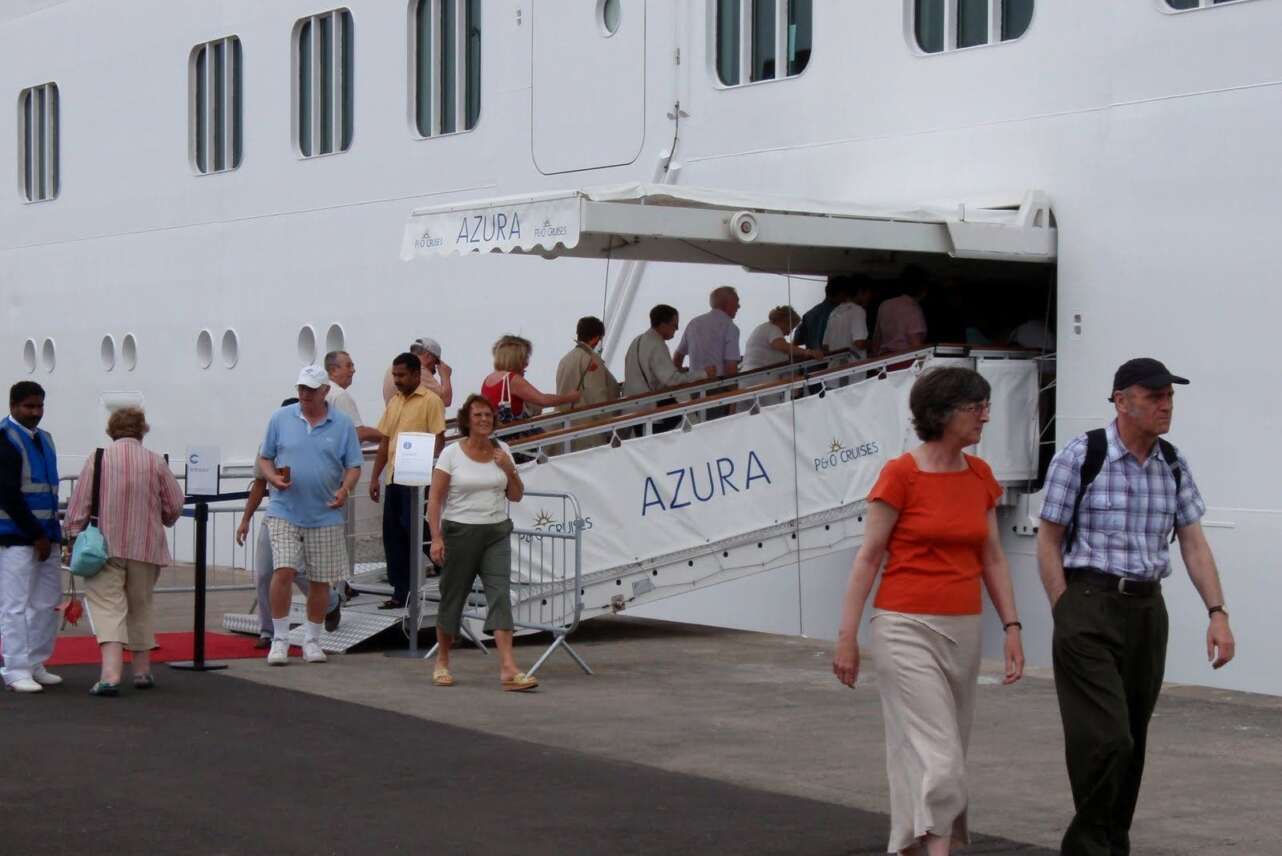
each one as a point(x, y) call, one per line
point(676, 56)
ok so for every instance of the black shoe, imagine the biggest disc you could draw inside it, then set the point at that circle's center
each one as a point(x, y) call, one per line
point(392, 603)
point(333, 617)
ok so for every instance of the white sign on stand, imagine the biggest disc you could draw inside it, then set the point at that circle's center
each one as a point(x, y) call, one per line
point(202, 470)
point(414, 459)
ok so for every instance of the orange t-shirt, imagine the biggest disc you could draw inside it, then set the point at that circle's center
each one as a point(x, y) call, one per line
point(937, 546)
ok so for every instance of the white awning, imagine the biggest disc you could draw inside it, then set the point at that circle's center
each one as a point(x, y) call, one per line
point(759, 232)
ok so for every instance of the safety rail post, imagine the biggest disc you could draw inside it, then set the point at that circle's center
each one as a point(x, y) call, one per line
point(197, 662)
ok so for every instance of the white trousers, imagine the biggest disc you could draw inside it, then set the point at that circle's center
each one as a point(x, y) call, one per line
point(30, 592)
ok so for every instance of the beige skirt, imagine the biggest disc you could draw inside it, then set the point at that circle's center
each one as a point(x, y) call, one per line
point(927, 667)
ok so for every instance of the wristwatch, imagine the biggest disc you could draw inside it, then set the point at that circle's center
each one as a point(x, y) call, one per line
point(1210, 613)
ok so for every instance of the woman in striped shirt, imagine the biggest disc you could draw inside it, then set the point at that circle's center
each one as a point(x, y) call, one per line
point(138, 498)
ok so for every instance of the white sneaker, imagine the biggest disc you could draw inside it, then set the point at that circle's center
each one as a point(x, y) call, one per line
point(45, 678)
point(279, 654)
point(24, 685)
point(312, 652)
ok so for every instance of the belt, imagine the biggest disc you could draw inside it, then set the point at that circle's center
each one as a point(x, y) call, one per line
point(1112, 582)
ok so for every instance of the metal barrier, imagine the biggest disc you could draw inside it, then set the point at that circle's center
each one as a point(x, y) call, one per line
point(547, 577)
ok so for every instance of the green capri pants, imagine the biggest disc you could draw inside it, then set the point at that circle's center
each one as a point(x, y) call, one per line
point(473, 549)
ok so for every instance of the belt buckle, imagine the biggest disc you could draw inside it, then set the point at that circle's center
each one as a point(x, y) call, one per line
point(1121, 586)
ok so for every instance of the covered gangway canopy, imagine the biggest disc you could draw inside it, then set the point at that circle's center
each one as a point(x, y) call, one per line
point(758, 231)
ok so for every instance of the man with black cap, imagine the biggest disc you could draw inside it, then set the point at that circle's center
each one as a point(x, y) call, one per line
point(1115, 498)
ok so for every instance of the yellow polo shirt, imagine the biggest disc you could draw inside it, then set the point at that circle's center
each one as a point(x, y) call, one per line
point(422, 412)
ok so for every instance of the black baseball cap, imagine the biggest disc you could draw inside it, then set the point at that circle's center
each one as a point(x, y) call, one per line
point(1146, 372)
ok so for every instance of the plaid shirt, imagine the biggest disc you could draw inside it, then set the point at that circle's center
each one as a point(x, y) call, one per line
point(1128, 511)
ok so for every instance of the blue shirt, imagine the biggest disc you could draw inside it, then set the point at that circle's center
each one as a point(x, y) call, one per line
point(1128, 511)
point(317, 458)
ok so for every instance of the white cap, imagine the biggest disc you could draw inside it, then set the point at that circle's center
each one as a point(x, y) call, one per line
point(313, 377)
point(432, 346)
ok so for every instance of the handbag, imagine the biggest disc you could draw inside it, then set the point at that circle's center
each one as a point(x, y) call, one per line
point(90, 552)
point(503, 412)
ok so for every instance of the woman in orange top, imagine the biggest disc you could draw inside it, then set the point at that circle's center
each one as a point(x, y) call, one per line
point(931, 515)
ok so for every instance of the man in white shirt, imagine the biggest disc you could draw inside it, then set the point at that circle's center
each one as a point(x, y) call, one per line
point(848, 322)
point(341, 370)
point(711, 340)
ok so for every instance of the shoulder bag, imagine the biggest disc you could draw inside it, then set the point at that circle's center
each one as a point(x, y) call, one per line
point(90, 552)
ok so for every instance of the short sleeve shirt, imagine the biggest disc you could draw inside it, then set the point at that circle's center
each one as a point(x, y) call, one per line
point(1128, 512)
point(419, 413)
point(936, 549)
point(847, 324)
point(711, 340)
point(317, 457)
point(897, 320)
point(478, 491)
point(757, 352)
point(343, 401)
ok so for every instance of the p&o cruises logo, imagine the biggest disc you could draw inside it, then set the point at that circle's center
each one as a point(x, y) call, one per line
point(544, 521)
point(840, 454)
point(428, 241)
point(547, 230)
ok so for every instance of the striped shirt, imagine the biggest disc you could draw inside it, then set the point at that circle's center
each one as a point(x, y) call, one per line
point(139, 498)
point(1128, 511)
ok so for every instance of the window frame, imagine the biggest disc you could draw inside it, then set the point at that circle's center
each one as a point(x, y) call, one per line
point(1166, 8)
point(950, 28)
point(461, 68)
point(49, 158)
point(745, 45)
point(342, 81)
point(234, 106)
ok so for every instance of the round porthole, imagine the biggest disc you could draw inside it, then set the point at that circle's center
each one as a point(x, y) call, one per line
point(307, 345)
point(29, 356)
point(107, 353)
point(129, 352)
point(231, 349)
point(205, 349)
point(609, 14)
point(49, 355)
point(335, 338)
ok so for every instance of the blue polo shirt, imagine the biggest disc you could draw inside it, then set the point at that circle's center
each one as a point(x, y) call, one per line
point(317, 457)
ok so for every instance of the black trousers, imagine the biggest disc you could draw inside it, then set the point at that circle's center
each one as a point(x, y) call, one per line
point(1109, 652)
point(397, 516)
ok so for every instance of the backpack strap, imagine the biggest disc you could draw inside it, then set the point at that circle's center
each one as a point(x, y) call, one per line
point(1096, 452)
point(97, 487)
point(1172, 458)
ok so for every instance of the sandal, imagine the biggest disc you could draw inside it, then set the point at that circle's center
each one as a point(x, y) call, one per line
point(104, 689)
point(442, 678)
point(519, 683)
point(144, 682)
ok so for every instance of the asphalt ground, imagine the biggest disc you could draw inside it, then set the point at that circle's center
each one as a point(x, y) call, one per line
point(210, 764)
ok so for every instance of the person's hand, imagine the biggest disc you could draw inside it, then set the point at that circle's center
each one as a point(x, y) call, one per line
point(43, 548)
point(443, 368)
point(1014, 656)
point(573, 396)
point(242, 531)
point(340, 497)
point(815, 353)
point(1220, 646)
point(437, 552)
point(278, 481)
point(845, 661)
point(375, 488)
point(504, 462)
point(67, 547)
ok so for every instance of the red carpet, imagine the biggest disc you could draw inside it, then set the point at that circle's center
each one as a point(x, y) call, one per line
point(73, 650)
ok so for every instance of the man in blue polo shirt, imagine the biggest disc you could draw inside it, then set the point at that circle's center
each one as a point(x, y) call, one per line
point(312, 456)
point(1113, 498)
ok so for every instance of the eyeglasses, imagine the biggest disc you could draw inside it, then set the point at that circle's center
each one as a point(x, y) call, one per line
point(976, 407)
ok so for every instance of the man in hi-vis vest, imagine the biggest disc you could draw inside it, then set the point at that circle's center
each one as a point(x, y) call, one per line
point(30, 579)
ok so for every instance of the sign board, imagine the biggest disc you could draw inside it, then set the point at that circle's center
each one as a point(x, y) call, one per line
point(414, 459)
point(202, 470)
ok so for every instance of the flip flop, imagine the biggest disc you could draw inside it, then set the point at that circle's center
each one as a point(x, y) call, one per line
point(519, 683)
point(442, 678)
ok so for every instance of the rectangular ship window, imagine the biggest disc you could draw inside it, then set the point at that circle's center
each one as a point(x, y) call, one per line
point(447, 66)
point(214, 115)
point(324, 95)
point(38, 142)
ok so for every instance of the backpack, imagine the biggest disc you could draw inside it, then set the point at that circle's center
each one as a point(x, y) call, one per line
point(1096, 452)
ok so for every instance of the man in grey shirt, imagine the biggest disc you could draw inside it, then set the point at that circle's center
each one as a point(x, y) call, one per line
point(648, 366)
point(711, 340)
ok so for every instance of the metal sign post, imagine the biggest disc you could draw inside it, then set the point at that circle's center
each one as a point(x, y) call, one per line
point(414, 606)
point(197, 662)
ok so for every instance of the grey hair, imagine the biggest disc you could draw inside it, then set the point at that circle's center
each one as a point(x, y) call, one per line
point(720, 293)
point(331, 360)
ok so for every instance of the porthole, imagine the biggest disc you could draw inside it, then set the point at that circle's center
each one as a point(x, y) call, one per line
point(205, 349)
point(335, 338)
point(107, 353)
point(231, 349)
point(49, 355)
point(29, 356)
point(307, 345)
point(129, 352)
point(609, 14)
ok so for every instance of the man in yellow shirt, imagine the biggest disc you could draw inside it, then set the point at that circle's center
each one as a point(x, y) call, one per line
point(413, 409)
